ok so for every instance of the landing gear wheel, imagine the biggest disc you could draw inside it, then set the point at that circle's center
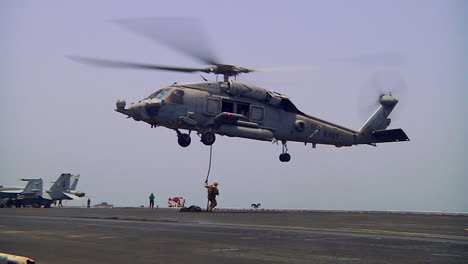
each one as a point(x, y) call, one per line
point(285, 157)
point(184, 140)
point(208, 138)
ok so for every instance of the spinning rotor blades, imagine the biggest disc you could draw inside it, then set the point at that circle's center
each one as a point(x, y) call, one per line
point(133, 65)
point(224, 69)
point(181, 33)
point(184, 34)
point(379, 84)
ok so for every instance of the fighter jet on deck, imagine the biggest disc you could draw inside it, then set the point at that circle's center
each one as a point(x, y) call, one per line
point(32, 188)
point(64, 188)
point(33, 194)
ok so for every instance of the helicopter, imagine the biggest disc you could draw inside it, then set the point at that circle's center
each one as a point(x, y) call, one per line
point(237, 109)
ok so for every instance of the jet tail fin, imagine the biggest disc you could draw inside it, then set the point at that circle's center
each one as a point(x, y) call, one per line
point(62, 184)
point(34, 187)
point(74, 181)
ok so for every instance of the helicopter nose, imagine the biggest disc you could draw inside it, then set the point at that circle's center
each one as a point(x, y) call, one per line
point(120, 107)
point(152, 108)
point(138, 111)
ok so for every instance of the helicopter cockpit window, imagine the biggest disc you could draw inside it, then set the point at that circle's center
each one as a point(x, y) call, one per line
point(176, 97)
point(151, 96)
point(160, 94)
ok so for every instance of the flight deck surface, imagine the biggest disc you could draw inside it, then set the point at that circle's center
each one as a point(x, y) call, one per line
point(138, 235)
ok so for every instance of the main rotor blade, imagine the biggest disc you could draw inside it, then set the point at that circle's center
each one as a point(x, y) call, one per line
point(133, 65)
point(184, 34)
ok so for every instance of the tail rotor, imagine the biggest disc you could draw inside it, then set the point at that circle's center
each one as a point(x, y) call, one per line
point(382, 87)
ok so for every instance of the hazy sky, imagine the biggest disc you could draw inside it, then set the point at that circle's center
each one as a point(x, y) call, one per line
point(58, 116)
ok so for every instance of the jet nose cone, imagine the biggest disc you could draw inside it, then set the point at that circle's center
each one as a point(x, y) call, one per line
point(388, 100)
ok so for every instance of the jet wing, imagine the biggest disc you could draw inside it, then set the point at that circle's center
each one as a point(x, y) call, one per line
point(11, 191)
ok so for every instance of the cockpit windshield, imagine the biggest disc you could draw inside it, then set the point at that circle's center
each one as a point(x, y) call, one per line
point(160, 94)
point(170, 95)
point(176, 97)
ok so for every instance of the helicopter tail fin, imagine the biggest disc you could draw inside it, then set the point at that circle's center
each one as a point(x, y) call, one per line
point(379, 119)
point(374, 129)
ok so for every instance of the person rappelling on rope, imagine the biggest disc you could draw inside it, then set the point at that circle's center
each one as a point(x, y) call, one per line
point(212, 193)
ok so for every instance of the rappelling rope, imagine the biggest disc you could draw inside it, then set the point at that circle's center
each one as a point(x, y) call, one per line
point(208, 174)
point(209, 164)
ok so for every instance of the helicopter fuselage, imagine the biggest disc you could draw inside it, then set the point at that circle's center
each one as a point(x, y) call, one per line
point(238, 110)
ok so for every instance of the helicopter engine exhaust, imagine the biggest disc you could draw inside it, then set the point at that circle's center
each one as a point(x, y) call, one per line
point(251, 91)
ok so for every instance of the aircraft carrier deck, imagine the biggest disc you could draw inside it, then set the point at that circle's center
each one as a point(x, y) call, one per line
point(138, 235)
